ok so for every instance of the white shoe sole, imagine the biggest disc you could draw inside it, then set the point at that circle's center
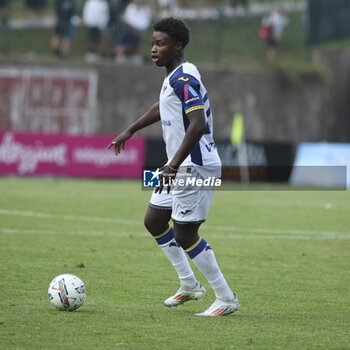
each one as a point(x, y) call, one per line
point(221, 311)
point(225, 313)
point(175, 301)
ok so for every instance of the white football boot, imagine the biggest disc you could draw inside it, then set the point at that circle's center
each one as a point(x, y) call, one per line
point(222, 308)
point(184, 294)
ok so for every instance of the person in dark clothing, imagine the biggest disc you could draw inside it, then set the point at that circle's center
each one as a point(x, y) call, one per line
point(65, 10)
point(4, 25)
point(112, 32)
point(4, 12)
point(116, 9)
point(36, 4)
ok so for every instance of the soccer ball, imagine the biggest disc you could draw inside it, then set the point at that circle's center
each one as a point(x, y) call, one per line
point(67, 292)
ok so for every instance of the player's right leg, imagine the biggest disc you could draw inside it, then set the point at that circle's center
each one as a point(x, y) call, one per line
point(157, 223)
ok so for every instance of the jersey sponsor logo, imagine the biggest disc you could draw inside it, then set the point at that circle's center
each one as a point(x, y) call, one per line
point(166, 122)
point(210, 146)
point(192, 99)
point(192, 91)
point(184, 79)
point(188, 89)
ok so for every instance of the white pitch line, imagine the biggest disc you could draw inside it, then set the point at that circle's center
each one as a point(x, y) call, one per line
point(144, 234)
point(67, 217)
point(298, 237)
point(83, 233)
point(276, 232)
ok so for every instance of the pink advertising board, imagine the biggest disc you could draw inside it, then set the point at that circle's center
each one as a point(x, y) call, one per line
point(30, 154)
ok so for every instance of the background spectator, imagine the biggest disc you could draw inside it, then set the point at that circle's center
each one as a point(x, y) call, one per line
point(165, 4)
point(4, 24)
point(96, 18)
point(137, 18)
point(116, 9)
point(274, 25)
point(65, 10)
point(243, 3)
point(184, 3)
point(36, 7)
point(4, 12)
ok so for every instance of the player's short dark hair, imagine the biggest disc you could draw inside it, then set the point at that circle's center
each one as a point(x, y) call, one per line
point(175, 28)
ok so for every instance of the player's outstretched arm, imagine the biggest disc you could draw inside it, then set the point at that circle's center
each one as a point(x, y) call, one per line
point(149, 118)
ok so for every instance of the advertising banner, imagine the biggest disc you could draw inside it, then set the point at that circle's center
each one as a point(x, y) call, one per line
point(322, 164)
point(29, 154)
point(262, 161)
point(265, 161)
point(54, 100)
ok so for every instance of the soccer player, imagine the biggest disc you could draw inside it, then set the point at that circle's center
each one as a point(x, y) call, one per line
point(186, 118)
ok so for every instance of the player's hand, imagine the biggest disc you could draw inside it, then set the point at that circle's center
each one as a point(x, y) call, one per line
point(119, 142)
point(166, 179)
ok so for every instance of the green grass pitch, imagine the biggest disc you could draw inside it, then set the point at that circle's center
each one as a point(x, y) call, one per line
point(285, 253)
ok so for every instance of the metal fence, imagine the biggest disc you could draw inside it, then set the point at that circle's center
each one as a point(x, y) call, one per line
point(328, 19)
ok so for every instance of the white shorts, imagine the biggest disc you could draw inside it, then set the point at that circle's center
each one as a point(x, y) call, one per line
point(188, 204)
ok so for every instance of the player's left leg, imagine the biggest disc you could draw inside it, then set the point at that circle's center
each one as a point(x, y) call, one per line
point(190, 209)
point(203, 257)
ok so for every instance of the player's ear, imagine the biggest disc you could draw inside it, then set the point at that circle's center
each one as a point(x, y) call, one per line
point(179, 46)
